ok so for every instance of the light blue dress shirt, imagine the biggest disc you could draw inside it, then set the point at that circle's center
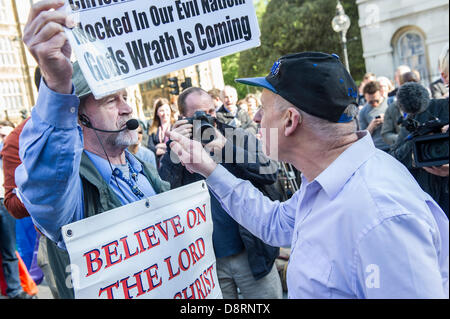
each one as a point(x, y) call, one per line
point(48, 180)
point(362, 229)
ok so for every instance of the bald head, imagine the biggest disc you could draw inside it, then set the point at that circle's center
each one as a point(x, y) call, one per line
point(195, 99)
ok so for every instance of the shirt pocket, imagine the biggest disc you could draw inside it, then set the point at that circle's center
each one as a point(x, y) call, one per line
point(311, 269)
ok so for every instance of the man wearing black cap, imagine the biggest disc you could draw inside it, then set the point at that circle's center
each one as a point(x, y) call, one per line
point(70, 172)
point(360, 226)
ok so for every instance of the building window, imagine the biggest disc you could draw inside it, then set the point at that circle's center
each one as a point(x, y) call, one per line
point(410, 50)
point(7, 52)
point(5, 15)
point(11, 95)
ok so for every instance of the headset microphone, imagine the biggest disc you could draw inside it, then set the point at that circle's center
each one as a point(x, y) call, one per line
point(130, 125)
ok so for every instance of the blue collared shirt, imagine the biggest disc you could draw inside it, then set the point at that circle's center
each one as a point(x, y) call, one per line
point(104, 169)
point(362, 229)
point(48, 181)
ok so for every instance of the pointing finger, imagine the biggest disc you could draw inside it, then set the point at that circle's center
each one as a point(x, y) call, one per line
point(183, 141)
point(183, 156)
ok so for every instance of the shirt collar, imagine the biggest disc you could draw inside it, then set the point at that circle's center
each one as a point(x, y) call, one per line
point(105, 170)
point(335, 176)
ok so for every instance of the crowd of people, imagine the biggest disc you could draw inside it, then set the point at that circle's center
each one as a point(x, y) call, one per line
point(384, 108)
point(363, 203)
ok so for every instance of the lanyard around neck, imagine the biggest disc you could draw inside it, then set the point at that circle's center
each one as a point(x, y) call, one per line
point(132, 181)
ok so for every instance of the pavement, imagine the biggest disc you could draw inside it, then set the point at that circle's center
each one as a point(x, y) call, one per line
point(44, 291)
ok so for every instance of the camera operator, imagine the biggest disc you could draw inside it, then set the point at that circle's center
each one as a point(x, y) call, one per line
point(243, 260)
point(414, 100)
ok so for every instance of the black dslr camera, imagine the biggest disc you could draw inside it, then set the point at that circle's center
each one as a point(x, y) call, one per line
point(430, 145)
point(203, 129)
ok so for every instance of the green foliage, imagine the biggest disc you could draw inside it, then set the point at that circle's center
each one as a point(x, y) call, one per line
point(230, 69)
point(231, 63)
point(289, 26)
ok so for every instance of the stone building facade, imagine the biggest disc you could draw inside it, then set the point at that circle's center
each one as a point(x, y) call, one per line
point(411, 32)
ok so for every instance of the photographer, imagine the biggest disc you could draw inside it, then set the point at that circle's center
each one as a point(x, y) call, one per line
point(413, 99)
point(243, 260)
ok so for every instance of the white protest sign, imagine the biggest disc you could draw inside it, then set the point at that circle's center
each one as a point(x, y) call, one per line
point(119, 43)
point(160, 247)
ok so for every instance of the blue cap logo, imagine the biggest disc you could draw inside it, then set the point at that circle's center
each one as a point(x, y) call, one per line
point(352, 93)
point(276, 68)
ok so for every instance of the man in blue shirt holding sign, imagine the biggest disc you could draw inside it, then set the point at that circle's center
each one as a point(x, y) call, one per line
point(359, 226)
point(71, 171)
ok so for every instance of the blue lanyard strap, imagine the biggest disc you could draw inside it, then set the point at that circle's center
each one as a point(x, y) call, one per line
point(130, 181)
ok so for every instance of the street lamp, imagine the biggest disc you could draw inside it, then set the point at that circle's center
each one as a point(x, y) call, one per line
point(341, 23)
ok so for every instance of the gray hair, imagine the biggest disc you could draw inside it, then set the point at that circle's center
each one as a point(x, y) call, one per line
point(230, 88)
point(330, 133)
point(327, 130)
point(324, 128)
point(401, 69)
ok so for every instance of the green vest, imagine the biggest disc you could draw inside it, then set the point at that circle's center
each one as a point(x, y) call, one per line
point(98, 198)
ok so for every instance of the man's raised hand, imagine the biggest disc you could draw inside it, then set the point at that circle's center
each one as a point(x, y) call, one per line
point(45, 38)
point(191, 154)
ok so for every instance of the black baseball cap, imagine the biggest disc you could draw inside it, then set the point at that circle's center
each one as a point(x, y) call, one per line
point(315, 82)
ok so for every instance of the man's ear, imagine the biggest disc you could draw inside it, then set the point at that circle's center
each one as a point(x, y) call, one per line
point(84, 120)
point(293, 119)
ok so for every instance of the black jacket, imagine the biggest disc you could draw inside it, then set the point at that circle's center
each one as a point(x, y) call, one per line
point(98, 198)
point(153, 140)
point(261, 256)
point(241, 120)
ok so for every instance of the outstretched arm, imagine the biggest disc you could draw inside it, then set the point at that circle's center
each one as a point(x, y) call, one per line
point(271, 221)
point(51, 144)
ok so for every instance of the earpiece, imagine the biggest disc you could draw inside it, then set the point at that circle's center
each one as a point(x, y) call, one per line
point(85, 120)
point(129, 125)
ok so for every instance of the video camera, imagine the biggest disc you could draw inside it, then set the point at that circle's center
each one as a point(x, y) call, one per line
point(430, 145)
point(202, 123)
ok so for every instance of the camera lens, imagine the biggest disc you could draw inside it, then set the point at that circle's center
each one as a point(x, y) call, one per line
point(435, 150)
point(208, 133)
point(203, 128)
point(203, 131)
